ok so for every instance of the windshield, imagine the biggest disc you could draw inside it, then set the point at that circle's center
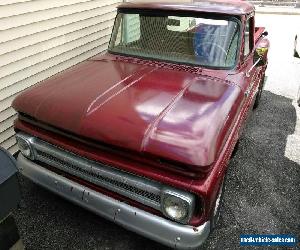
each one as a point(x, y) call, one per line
point(183, 39)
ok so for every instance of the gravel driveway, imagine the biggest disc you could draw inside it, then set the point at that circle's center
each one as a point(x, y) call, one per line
point(262, 185)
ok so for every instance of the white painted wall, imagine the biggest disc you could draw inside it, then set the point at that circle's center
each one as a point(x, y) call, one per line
point(39, 38)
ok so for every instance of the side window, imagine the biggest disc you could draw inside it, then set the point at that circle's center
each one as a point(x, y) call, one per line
point(247, 38)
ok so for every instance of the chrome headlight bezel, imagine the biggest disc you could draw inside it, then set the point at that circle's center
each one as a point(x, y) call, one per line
point(186, 198)
point(24, 143)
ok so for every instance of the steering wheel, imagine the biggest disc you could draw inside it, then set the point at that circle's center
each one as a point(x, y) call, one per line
point(204, 53)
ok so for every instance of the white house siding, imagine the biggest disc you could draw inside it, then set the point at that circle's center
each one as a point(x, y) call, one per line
point(39, 38)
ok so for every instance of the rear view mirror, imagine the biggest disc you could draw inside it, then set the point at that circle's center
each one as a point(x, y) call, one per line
point(296, 52)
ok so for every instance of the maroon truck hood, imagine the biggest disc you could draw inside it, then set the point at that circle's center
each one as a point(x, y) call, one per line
point(169, 113)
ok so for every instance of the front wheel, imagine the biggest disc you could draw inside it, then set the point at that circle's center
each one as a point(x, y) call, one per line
point(258, 94)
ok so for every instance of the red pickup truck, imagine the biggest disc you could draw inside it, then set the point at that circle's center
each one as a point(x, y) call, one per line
point(143, 134)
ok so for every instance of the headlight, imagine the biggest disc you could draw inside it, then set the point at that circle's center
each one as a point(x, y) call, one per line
point(24, 146)
point(177, 205)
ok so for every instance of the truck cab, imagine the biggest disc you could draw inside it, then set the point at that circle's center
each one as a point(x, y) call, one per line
point(143, 134)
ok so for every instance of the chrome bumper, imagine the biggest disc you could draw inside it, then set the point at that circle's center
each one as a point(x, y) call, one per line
point(151, 226)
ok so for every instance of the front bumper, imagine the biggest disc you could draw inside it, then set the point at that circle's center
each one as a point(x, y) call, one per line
point(151, 226)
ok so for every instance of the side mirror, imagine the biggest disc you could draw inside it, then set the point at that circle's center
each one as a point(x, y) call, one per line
point(261, 53)
point(296, 52)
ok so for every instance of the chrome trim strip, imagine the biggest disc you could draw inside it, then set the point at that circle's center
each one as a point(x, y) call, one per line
point(151, 226)
point(248, 73)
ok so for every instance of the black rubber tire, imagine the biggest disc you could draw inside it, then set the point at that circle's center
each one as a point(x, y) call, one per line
point(258, 94)
point(235, 149)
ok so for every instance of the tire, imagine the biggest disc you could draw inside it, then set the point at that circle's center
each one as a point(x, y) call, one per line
point(258, 94)
point(236, 147)
point(215, 216)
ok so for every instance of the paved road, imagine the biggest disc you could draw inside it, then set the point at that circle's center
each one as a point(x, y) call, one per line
point(262, 187)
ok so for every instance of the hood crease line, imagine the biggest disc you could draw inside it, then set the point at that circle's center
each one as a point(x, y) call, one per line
point(149, 131)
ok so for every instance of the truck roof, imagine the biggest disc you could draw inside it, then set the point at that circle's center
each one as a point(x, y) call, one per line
point(234, 7)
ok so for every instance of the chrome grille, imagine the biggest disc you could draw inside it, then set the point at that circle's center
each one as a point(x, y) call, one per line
point(121, 185)
point(137, 188)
